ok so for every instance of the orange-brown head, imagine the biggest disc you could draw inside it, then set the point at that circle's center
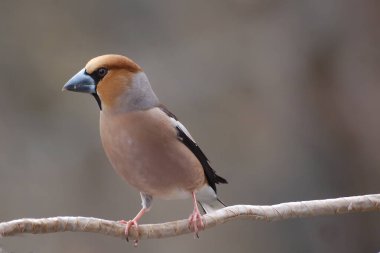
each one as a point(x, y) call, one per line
point(117, 83)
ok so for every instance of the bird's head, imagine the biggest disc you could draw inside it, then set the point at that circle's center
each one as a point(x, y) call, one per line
point(116, 82)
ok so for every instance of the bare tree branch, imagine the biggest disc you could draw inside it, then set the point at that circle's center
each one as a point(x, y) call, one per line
point(282, 211)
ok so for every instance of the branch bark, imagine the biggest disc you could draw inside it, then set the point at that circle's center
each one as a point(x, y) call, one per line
point(365, 203)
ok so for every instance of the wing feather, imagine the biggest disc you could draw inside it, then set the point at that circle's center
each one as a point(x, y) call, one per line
point(185, 137)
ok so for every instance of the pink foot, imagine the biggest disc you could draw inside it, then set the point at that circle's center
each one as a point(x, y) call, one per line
point(195, 219)
point(195, 222)
point(128, 225)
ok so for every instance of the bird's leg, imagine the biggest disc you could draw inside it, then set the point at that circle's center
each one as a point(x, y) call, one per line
point(195, 219)
point(133, 222)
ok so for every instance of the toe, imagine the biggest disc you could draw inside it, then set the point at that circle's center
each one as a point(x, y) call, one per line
point(195, 224)
point(128, 227)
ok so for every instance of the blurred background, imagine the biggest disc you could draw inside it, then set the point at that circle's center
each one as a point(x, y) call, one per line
point(283, 96)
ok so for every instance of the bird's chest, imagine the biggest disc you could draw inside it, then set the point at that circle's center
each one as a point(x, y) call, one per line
point(134, 146)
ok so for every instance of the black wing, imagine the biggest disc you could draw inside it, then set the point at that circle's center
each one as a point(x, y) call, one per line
point(211, 176)
point(210, 173)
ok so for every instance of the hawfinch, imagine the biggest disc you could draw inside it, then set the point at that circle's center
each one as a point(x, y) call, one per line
point(145, 143)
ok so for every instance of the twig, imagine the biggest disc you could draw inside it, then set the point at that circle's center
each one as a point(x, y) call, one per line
point(282, 211)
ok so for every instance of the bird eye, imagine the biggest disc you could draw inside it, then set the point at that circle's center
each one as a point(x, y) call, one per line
point(102, 72)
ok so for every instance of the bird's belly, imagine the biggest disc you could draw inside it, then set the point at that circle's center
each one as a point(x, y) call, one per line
point(155, 163)
point(156, 172)
point(176, 193)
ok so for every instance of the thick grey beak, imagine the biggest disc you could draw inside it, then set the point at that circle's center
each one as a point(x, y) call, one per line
point(81, 82)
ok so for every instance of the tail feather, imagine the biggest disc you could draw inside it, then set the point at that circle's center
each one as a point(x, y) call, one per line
point(211, 206)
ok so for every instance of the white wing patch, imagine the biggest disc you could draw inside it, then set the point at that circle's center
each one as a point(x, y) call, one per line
point(176, 123)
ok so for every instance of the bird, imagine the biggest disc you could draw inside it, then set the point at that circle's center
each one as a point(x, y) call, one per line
point(145, 143)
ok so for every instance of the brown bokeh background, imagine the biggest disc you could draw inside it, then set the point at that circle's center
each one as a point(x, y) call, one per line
point(283, 96)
